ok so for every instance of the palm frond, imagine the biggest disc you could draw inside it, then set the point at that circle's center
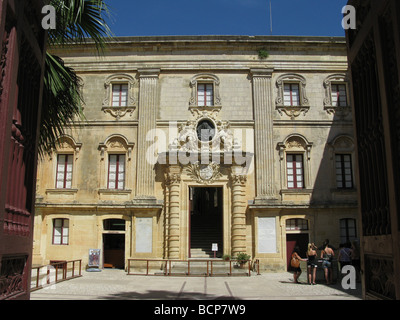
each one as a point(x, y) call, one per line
point(80, 20)
point(62, 101)
point(76, 22)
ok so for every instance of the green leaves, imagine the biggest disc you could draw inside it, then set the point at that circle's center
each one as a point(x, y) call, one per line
point(79, 20)
point(62, 101)
point(76, 22)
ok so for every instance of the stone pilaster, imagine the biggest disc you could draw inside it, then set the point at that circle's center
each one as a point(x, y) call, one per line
point(173, 181)
point(148, 100)
point(263, 131)
point(238, 213)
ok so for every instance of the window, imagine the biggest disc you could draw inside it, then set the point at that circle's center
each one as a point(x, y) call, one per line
point(116, 172)
point(296, 224)
point(114, 225)
point(119, 98)
point(205, 91)
point(60, 231)
point(295, 172)
point(336, 100)
point(64, 171)
point(344, 172)
point(291, 94)
point(119, 95)
point(205, 94)
point(339, 95)
point(348, 230)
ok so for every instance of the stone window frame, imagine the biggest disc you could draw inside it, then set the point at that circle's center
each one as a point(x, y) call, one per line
point(295, 144)
point(205, 78)
point(66, 145)
point(292, 111)
point(115, 144)
point(119, 112)
point(340, 79)
point(342, 144)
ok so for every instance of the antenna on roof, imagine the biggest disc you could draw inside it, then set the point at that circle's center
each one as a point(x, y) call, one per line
point(270, 15)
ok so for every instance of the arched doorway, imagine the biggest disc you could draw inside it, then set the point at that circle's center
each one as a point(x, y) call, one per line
point(114, 243)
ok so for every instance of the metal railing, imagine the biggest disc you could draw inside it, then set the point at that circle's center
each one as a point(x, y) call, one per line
point(192, 267)
point(51, 274)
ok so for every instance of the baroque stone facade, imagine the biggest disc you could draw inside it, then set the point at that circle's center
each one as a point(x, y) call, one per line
point(185, 135)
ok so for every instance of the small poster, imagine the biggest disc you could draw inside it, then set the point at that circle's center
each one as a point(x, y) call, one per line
point(94, 258)
point(215, 247)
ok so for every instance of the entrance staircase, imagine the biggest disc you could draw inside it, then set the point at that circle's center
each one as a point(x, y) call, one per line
point(204, 232)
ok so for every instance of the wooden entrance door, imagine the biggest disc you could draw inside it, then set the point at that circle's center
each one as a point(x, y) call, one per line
point(21, 82)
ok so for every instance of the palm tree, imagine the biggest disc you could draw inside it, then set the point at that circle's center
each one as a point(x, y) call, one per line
point(77, 22)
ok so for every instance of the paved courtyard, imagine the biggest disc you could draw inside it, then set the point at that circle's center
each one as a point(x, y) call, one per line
point(117, 285)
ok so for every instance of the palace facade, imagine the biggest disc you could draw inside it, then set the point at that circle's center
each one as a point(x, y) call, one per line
point(245, 142)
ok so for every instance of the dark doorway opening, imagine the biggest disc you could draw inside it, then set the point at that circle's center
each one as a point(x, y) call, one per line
point(114, 251)
point(292, 240)
point(205, 222)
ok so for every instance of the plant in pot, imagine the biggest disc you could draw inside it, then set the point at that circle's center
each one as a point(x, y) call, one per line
point(226, 257)
point(242, 259)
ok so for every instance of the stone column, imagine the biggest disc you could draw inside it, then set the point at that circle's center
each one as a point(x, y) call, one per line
point(238, 213)
point(148, 100)
point(173, 181)
point(263, 134)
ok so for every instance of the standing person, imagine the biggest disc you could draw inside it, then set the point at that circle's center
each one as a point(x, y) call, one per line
point(311, 263)
point(327, 255)
point(345, 255)
point(295, 263)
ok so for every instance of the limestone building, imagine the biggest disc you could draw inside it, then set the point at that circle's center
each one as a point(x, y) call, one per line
point(193, 140)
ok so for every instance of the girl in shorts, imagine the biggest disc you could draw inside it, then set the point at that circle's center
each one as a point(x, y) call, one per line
point(327, 255)
point(311, 263)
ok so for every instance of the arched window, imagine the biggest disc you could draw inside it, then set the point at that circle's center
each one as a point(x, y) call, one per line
point(66, 156)
point(295, 154)
point(342, 155)
point(115, 153)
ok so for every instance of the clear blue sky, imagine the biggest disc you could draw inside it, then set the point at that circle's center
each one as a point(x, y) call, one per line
point(226, 17)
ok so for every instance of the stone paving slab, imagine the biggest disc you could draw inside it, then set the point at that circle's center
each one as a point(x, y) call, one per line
point(117, 285)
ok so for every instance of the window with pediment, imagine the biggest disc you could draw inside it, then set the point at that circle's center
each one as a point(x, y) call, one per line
point(342, 156)
point(119, 100)
point(115, 156)
point(65, 163)
point(205, 91)
point(337, 99)
point(292, 97)
point(295, 156)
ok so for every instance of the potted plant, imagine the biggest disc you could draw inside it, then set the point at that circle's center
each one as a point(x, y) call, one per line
point(226, 257)
point(242, 259)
